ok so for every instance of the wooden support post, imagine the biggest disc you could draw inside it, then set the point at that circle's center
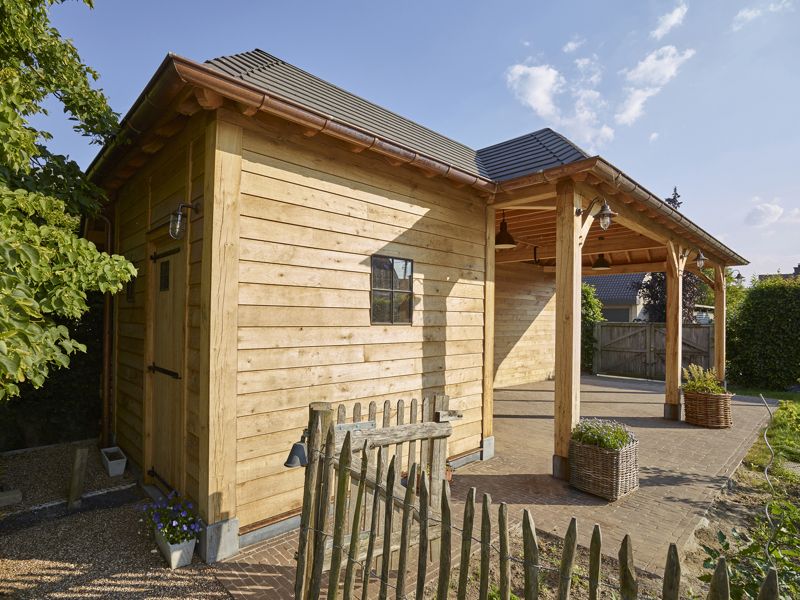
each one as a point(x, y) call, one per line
point(77, 478)
point(720, 320)
point(568, 323)
point(219, 303)
point(487, 442)
point(676, 260)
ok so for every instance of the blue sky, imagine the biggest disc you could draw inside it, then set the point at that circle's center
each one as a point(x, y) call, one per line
point(698, 94)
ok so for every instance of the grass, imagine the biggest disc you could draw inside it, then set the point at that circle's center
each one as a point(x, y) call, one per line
point(773, 394)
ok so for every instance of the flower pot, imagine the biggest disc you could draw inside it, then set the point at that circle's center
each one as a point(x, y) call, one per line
point(114, 460)
point(177, 555)
point(707, 410)
point(610, 474)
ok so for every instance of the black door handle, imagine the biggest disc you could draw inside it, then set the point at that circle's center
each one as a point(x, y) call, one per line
point(154, 368)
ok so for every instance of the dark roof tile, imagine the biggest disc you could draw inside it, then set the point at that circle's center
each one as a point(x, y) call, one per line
point(616, 289)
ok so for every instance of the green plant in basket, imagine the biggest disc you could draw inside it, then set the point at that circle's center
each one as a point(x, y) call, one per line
point(701, 381)
point(174, 517)
point(610, 435)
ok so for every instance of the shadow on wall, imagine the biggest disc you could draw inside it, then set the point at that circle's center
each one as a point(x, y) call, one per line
point(524, 324)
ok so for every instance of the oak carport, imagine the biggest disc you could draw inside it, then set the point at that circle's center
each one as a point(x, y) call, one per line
point(553, 217)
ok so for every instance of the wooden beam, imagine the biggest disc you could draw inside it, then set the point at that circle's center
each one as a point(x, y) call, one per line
point(488, 335)
point(720, 320)
point(568, 323)
point(531, 195)
point(650, 267)
point(524, 251)
point(218, 325)
point(674, 341)
point(207, 99)
point(703, 277)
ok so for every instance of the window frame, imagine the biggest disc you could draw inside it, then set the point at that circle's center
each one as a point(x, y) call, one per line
point(392, 291)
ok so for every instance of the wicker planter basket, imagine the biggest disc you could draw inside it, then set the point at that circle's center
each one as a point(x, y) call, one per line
point(708, 410)
point(610, 474)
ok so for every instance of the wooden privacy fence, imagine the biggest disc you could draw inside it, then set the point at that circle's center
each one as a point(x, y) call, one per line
point(419, 522)
point(357, 457)
point(639, 349)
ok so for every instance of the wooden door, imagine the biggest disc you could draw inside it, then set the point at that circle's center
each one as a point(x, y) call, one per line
point(166, 369)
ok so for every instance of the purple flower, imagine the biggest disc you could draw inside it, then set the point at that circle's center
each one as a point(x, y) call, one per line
point(174, 523)
point(184, 528)
point(184, 513)
point(160, 526)
point(189, 505)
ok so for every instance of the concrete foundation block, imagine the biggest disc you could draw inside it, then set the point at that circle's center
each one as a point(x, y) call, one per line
point(561, 467)
point(487, 448)
point(219, 541)
point(672, 411)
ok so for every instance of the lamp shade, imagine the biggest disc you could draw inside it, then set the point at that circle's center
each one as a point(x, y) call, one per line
point(504, 240)
point(177, 224)
point(298, 455)
point(601, 264)
point(605, 215)
point(701, 260)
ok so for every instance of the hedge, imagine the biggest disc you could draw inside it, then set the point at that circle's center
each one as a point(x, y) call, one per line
point(764, 335)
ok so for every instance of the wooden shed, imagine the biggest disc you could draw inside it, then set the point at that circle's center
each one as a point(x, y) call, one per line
point(330, 250)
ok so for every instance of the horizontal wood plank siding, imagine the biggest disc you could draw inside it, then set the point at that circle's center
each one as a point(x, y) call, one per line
point(143, 204)
point(312, 215)
point(524, 324)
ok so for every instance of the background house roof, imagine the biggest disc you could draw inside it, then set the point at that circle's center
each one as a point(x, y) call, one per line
point(616, 289)
point(526, 154)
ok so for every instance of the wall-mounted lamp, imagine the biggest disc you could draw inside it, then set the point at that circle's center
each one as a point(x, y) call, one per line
point(701, 260)
point(739, 278)
point(604, 215)
point(504, 240)
point(298, 455)
point(601, 264)
point(177, 221)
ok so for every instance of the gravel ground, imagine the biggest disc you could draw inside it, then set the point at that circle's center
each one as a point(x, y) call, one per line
point(43, 474)
point(97, 554)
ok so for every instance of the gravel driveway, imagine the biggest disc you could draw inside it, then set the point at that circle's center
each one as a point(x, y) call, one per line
point(103, 553)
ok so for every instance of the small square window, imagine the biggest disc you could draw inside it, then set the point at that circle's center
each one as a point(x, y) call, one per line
point(392, 290)
point(164, 277)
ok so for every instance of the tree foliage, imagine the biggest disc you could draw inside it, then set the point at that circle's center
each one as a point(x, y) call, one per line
point(763, 334)
point(591, 313)
point(46, 269)
point(653, 290)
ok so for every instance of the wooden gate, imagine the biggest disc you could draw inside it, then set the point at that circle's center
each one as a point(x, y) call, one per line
point(639, 349)
point(362, 479)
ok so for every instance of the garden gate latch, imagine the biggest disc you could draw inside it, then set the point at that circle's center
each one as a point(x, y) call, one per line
point(154, 368)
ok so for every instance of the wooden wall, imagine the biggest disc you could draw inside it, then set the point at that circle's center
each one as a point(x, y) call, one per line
point(312, 214)
point(143, 204)
point(524, 325)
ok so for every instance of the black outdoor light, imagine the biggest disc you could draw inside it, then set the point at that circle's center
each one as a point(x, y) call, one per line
point(504, 240)
point(701, 259)
point(739, 278)
point(177, 221)
point(601, 264)
point(298, 455)
point(605, 215)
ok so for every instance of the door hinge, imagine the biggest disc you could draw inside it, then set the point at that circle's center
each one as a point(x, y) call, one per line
point(154, 368)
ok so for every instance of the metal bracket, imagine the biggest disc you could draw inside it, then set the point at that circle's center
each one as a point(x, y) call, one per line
point(154, 368)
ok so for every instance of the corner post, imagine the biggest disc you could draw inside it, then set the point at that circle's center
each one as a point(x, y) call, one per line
point(568, 323)
point(218, 339)
point(720, 320)
point(674, 334)
point(487, 433)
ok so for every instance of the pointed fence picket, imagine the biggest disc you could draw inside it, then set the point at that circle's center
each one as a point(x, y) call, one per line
point(339, 534)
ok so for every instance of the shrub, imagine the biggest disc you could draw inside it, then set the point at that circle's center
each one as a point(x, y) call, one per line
point(591, 313)
point(701, 381)
point(763, 333)
point(174, 517)
point(610, 435)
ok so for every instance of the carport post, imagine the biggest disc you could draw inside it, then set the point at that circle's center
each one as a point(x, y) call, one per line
point(568, 323)
point(720, 314)
point(676, 260)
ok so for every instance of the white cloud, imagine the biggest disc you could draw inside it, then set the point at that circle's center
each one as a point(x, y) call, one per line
point(669, 21)
point(749, 14)
point(658, 67)
point(744, 16)
point(764, 214)
point(536, 86)
point(647, 79)
point(793, 216)
point(653, 137)
point(572, 45)
point(542, 88)
point(526, 43)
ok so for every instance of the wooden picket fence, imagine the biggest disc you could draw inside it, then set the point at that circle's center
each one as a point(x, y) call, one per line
point(369, 512)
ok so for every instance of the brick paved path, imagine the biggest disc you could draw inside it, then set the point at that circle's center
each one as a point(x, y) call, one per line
point(682, 468)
